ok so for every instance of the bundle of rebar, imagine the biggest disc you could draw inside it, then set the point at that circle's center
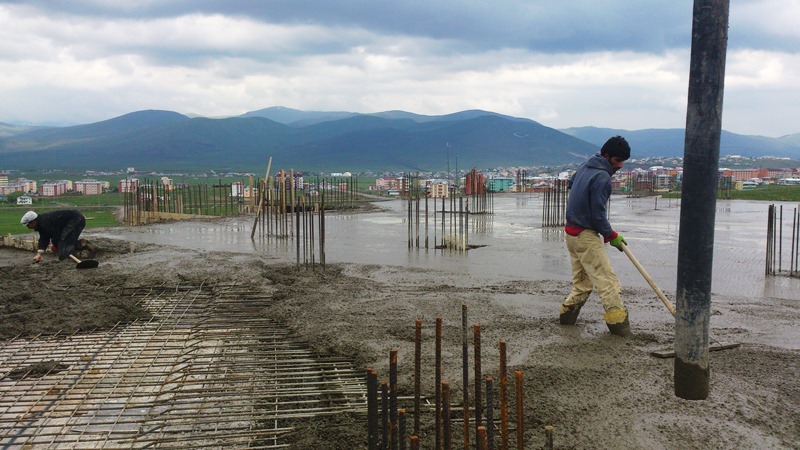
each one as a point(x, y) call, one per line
point(775, 243)
point(385, 430)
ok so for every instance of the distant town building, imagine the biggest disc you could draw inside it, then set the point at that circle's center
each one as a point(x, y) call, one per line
point(500, 184)
point(19, 185)
point(167, 183)
point(438, 189)
point(128, 185)
point(3, 179)
point(238, 189)
point(89, 187)
point(384, 184)
point(24, 200)
point(55, 188)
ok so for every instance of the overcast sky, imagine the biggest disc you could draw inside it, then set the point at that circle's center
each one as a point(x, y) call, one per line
point(613, 63)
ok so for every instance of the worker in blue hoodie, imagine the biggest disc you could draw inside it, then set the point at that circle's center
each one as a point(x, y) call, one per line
point(588, 229)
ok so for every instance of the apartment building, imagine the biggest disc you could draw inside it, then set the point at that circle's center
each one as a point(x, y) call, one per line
point(128, 185)
point(18, 185)
point(90, 187)
point(438, 189)
point(55, 188)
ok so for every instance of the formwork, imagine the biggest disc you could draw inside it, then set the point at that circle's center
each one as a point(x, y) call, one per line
point(206, 370)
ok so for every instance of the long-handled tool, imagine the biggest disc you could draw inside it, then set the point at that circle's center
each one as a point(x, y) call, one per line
point(716, 345)
point(85, 264)
point(649, 280)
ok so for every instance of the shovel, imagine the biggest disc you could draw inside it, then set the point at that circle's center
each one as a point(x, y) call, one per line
point(716, 345)
point(85, 264)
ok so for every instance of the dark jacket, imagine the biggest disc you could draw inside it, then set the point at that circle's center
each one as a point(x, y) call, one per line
point(62, 228)
point(590, 188)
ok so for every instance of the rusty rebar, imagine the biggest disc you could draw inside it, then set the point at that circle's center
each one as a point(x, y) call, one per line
point(448, 443)
point(384, 415)
point(401, 427)
point(476, 329)
point(438, 381)
point(489, 414)
point(417, 373)
point(465, 372)
point(503, 397)
point(481, 438)
point(372, 409)
point(520, 416)
point(393, 422)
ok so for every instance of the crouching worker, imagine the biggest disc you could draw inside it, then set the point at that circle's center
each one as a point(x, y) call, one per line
point(63, 228)
point(587, 230)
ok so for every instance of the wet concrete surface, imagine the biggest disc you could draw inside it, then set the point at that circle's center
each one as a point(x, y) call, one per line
point(514, 244)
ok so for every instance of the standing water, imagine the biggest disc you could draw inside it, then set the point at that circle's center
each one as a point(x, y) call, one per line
point(513, 242)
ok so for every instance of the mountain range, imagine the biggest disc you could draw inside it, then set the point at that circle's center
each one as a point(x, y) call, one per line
point(337, 141)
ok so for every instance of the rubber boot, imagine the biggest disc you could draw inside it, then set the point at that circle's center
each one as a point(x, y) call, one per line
point(569, 313)
point(618, 323)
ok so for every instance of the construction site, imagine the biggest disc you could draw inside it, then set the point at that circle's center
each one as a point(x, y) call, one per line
point(343, 331)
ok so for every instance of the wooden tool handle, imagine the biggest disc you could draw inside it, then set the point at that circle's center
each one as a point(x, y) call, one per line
point(649, 280)
point(74, 258)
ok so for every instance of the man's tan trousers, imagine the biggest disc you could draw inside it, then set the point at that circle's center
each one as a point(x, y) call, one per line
point(591, 268)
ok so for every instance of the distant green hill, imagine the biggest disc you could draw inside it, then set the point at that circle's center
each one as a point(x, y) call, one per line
point(328, 141)
point(670, 142)
point(163, 139)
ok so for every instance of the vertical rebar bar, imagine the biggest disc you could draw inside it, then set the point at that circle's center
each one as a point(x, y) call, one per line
point(448, 443)
point(476, 328)
point(770, 237)
point(393, 398)
point(372, 409)
point(489, 414)
point(402, 428)
point(780, 240)
point(520, 415)
point(465, 373)
point(438, 381)
point(548, 437)
point(417, 373)
point(384, 415)
point(503, 397)
point(481, 438)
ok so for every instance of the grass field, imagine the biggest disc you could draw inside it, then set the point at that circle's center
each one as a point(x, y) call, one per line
point(770, 193)
point(95, 217)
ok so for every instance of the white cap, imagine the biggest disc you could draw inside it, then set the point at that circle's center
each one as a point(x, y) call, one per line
point(28, 217)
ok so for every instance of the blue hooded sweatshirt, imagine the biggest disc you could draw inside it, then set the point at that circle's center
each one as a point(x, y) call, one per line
point(590, 188)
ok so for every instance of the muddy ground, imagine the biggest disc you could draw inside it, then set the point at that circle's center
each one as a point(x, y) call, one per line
point(595, 389)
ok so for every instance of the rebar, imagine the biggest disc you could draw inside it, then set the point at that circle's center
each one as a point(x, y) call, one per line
point(448, 443)
point(520, 412)
point(503, 397)
point(476, 328)
point(206, 371)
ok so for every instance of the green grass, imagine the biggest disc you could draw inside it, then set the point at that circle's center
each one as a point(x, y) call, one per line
point(96, 217)
point(770, 193)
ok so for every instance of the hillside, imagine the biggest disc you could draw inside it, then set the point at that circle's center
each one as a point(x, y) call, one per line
point(669, 142)
point(163, 139)
point(328, 141)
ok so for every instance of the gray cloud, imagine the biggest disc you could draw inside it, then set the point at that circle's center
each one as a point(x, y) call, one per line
point(618, 64)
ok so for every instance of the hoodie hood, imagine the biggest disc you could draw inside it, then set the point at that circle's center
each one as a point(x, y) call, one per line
point(598, 162)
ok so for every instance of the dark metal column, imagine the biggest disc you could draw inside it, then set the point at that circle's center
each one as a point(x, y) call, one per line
point(698, 200)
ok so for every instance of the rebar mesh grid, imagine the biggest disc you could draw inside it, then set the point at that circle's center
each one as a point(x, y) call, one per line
point(207, 370)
